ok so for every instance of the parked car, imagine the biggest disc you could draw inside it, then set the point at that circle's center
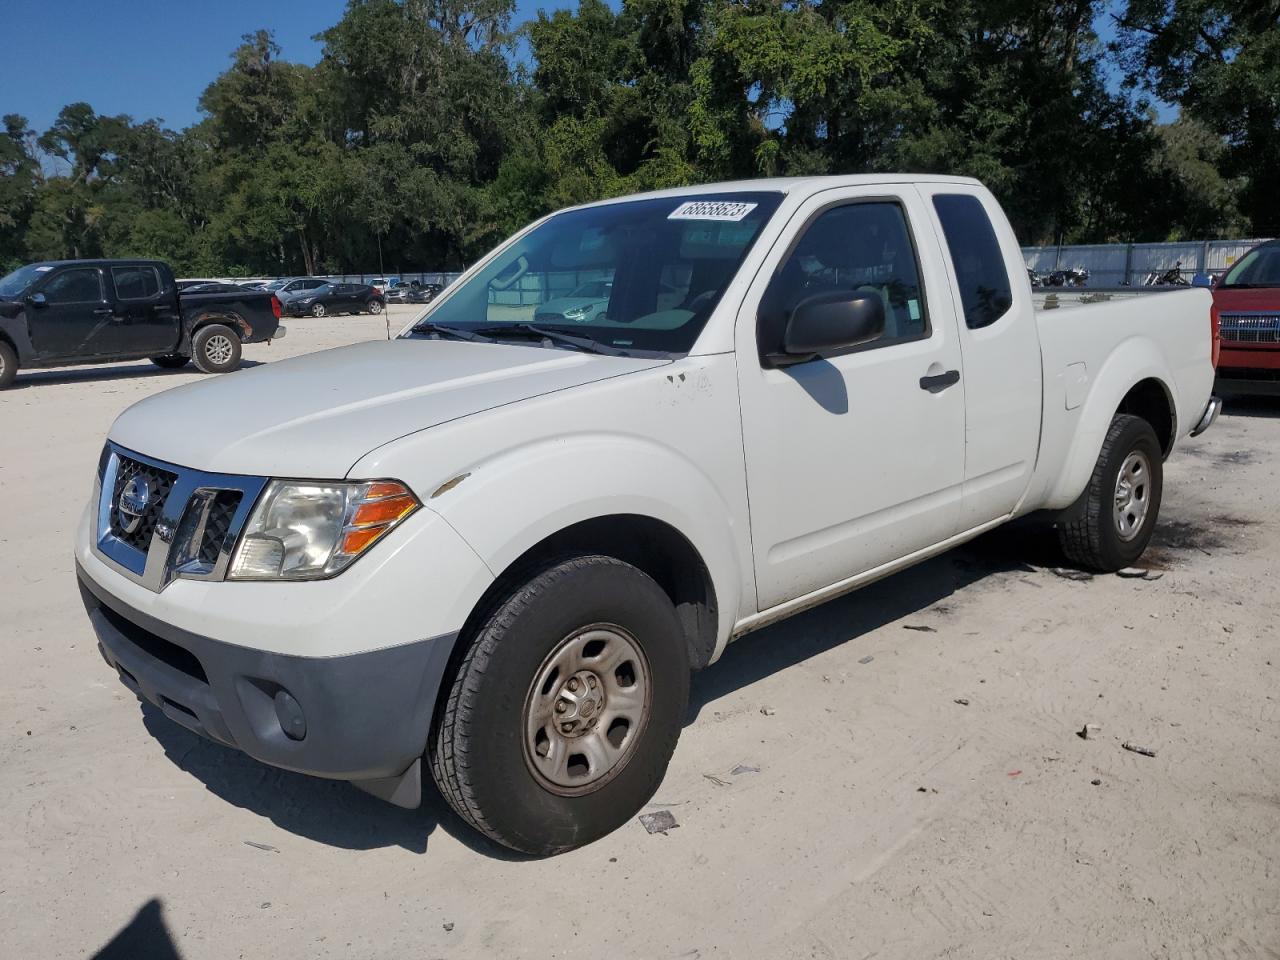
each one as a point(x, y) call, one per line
point(188, 283)
point(58, 313)
point(335, 298)
point(287, 288)
point(494, 549)
point(413, 292)
point(383, 284)
point(580, 306)
point(1246, 307)
point(212, 286)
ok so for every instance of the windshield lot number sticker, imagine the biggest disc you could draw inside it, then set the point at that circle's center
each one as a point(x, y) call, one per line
point(711, 210)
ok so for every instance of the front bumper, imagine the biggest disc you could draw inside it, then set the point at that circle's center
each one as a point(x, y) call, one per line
point(362, 717)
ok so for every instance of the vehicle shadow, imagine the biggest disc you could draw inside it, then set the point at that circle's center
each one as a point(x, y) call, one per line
point(844, 619)
point(337, 814)
point(1246, 405)
point(331, 812)
point(105, 372)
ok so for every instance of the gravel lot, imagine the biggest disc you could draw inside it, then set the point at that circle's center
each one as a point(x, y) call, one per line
point(834, 798)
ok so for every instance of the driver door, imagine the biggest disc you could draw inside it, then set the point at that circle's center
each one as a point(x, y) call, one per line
point(75, 318)
point(856, 459)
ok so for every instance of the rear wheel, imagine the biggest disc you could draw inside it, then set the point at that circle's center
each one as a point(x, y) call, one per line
point(215, 349)
point(173, 361)
point(375, 306)
point(565, 708)
point(317, 310)
point(1117, 514)
point(8, 364)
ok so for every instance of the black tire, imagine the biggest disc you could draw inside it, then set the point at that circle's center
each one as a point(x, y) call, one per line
point(215, 349)
point(1093, 537)
point(173, 361)
point(374, 305)
point(8, 365)
point(317, 310)
point(477, 750)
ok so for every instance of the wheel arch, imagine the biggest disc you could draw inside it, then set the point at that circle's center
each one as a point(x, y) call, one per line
point(1134, 380)
point(653, 546)
point(209, 318)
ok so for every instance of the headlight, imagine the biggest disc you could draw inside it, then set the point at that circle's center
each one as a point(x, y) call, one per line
point(307, 300)
point(306, 530)
point(577, 313)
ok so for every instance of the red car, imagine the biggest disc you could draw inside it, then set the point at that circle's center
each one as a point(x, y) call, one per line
point(1246, 311)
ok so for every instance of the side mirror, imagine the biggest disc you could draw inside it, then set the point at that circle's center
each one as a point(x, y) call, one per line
point(830, 321)
point(38, 300)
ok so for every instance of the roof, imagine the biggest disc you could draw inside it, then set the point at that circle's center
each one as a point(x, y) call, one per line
point(98, 262)
point(791, 185)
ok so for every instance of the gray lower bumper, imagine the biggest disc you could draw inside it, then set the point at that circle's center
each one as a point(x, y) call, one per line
point(363, 717)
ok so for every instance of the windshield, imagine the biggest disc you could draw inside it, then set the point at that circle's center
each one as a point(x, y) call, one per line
point(1260, 267)
point(13, 284)
point(654, 268)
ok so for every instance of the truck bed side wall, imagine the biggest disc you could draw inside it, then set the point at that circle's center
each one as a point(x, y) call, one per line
point(1092, 356)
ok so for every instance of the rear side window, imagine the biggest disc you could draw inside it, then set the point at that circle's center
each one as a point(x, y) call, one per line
point(135, 283)
point(985, 291)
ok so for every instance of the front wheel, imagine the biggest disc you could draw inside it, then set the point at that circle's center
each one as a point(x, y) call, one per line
point(317, 309)
point(215, 349)
point(1117, 513)
point(565, 708)
point(375, 306)
point(8, 365)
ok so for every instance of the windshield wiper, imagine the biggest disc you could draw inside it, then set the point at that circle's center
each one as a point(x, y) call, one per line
point(555, 336)
point(444, 330)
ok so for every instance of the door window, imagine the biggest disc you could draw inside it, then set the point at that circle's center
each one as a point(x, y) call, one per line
point(136, 283)
point(83, 285)
point(863, 248)
point(985, 291)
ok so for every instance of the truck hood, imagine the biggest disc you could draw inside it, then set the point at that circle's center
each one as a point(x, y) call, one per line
point(314, 416)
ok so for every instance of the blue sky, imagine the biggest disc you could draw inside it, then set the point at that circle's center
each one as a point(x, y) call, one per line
point(153, 58)
point(147, 58)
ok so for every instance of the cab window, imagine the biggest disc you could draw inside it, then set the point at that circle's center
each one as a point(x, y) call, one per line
point(135, 283)
point(975, 252)
point(864, 248)
point(82, 285)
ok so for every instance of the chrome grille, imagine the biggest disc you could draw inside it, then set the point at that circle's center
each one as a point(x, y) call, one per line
point(159, 483)
point(188, 526)
point(217, 525)
point(1250, 327)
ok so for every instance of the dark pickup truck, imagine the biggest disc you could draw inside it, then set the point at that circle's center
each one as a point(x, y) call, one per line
point(65, 312)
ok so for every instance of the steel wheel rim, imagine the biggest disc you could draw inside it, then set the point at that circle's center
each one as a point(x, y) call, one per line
point(218, 349)
point(586, 710)
point(1133, 495)
point(318, 310)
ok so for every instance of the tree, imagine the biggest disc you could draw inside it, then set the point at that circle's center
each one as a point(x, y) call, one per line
point(1220, 61)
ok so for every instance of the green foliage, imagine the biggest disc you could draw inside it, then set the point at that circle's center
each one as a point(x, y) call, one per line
point(422, 137)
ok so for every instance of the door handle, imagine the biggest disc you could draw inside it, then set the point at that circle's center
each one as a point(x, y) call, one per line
point(940, 382)
point(103, 312)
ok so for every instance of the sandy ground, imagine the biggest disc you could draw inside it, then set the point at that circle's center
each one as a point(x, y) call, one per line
point(865, 813)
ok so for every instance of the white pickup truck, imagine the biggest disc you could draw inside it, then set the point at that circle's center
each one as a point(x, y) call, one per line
point(498, 544)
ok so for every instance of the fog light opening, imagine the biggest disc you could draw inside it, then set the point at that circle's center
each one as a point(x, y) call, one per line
point(289, 715)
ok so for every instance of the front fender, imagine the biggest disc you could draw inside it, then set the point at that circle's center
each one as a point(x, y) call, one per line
point(514, 500)
point(1134, 360)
